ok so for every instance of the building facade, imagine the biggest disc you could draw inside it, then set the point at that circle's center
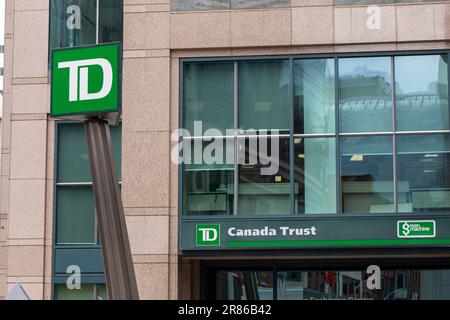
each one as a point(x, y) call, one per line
point(351, 96)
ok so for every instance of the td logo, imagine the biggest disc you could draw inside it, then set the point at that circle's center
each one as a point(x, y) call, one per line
point(79, 79)
point(86, 80)
point(208, 235)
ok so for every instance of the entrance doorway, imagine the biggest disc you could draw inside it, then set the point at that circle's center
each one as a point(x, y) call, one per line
point(352, 279)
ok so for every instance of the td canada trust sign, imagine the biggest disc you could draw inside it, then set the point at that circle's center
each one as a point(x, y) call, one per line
point(210, 234)
point(86, 81)
point(313, 232)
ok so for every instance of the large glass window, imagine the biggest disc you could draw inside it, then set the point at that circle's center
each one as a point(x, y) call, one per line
point(365, 94)
point(110, 23)
point(264, 95)
point(290, 151)
point(421, 90)
point(367, 179)
point(209, 184)
point(264, 184)
point(75, 209)
point(208, 96)
point(74, 22)
point(315, 175)
point(396, 284)
point(314, 96)
point(263, 154)
point(423, 169)
point(75, 219)
point(209, 162)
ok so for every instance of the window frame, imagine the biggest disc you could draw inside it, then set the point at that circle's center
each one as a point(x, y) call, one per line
point(337, 134)
point(91, 248)
point(97, 30)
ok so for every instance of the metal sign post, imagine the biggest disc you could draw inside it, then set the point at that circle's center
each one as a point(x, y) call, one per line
point(86, 86)
point(120, 277)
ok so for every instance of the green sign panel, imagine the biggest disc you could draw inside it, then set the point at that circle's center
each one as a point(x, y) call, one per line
point(254, 233)
point(208, 234)
point(416, 229)
point(86, 81)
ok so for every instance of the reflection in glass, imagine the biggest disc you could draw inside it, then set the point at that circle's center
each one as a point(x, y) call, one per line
point(398, 284)
point(365, 92)
point(73, 157)
point(87, 291)
point(260, 191)
point(209, 183)
point(367, 174)
point(315, 175)
point(73, 23)
point(423, 170)
point(66, 29)
point(208, 96)
point(110, 21)
point(421, 88)
point(101, 292)
point(264, 95)
point(244, 285)
point(395, 285)
point(305, 285)
point(75, 223)
point(314, 96)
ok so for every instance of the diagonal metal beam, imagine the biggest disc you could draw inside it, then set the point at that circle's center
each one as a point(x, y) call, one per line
point(119, 270)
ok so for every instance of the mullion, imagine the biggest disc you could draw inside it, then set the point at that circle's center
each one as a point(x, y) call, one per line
point(337, 138)
point(394, 137)
point(236, 124)
point(291, 139)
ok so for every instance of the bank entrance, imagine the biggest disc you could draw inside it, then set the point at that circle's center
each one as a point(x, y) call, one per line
point(372, 275)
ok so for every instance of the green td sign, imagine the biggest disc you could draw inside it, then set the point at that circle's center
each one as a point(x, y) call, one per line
point(416, 229)
point(207, 235)
point(86, 80)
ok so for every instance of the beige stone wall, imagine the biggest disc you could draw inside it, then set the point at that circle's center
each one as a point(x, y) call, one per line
point(154, 41)
point(24, 178)
point(314, 26)
point(149, 206)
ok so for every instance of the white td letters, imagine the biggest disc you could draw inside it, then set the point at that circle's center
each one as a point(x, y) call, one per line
point(82, 93)
point(209, 234)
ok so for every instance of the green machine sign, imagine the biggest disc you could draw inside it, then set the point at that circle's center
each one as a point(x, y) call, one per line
point(86, 81)
point(416, 229)
point(312, 232)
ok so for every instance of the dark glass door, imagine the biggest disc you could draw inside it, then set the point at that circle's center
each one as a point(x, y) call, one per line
point(286, 283)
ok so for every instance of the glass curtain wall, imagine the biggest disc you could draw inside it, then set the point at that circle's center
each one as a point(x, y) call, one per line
point(397, 284)
point(356, 135)
point(400, 165)
point(229, 150)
